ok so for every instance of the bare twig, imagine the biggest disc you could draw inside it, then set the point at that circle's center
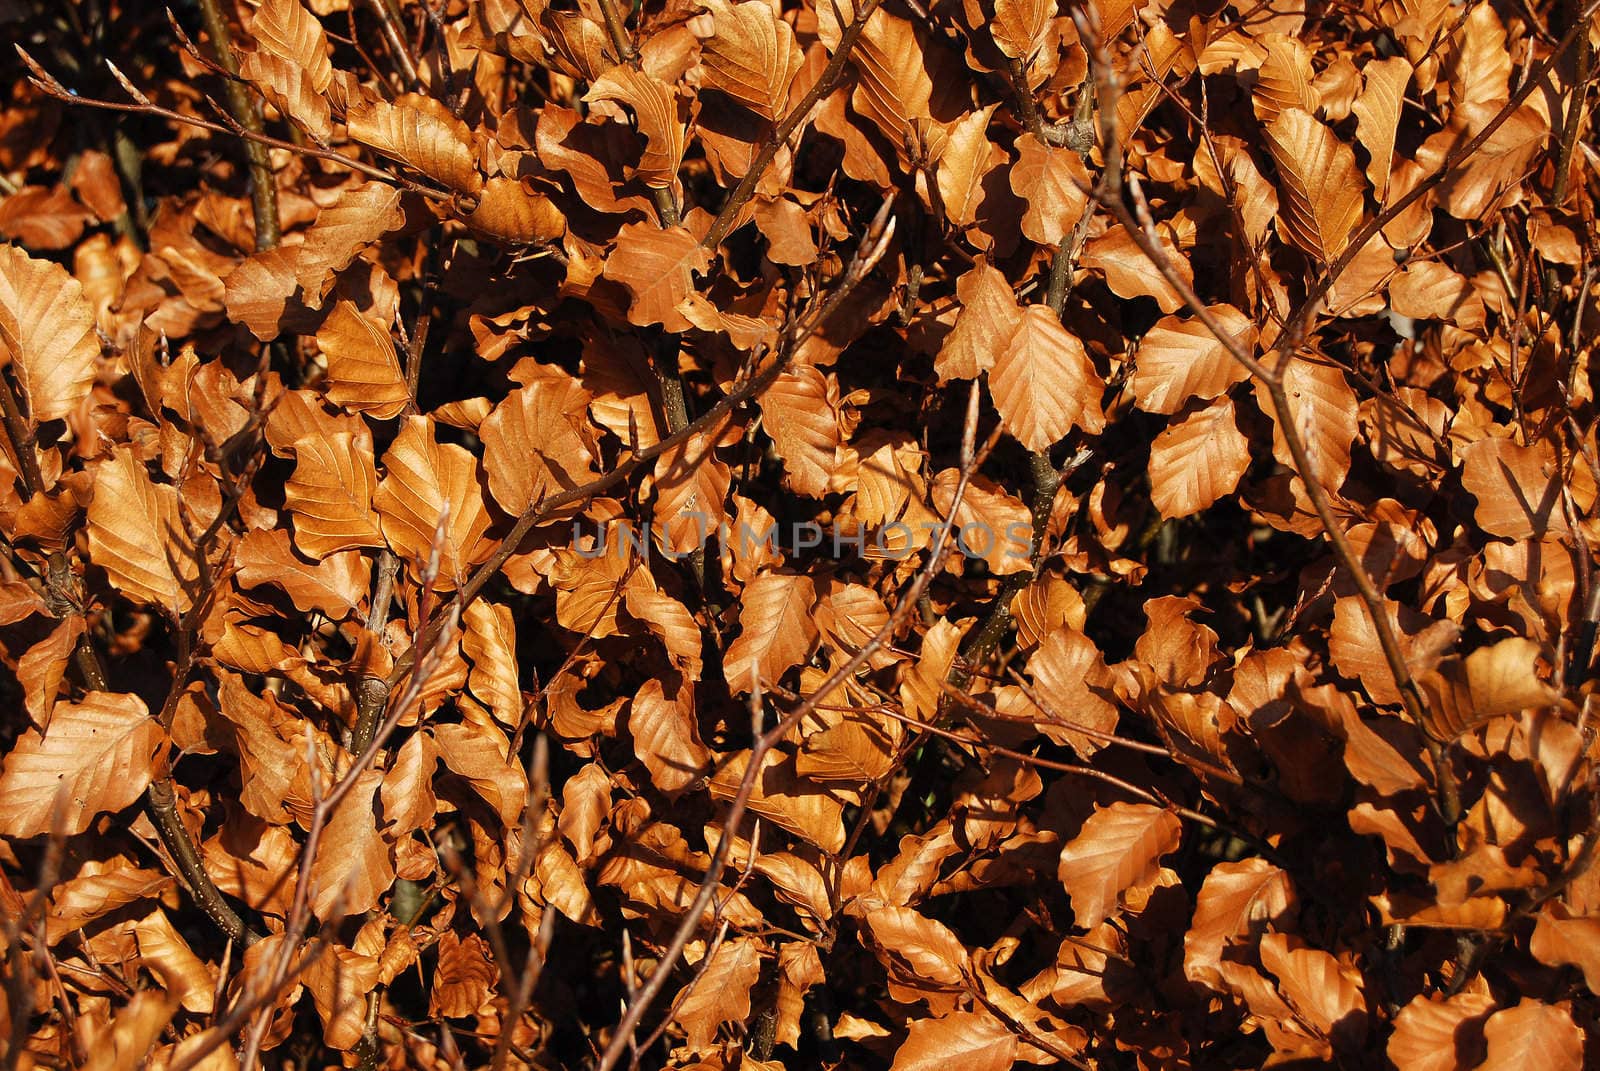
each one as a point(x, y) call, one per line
point(48, 85)
point(396, 43)
point(247, 113)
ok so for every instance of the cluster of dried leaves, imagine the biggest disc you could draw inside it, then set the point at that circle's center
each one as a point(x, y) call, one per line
point(337, 337)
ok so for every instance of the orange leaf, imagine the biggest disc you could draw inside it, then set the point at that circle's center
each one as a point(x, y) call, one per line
point(777, 630)
point(420, 132)
point(97, 755)
point(1323, 192)
point(657, 266)
point(426, 480)
point(363, 371)
point(919, 947)
point(1044, 383)
point(720, 994)
point(1197, 460)
point(1118, 849)
point(137, 536)
point(666, 737)
point(1049, 180)
point(47, 331)
point(1179, 360)
point(752, 56)
point(1533, 1035)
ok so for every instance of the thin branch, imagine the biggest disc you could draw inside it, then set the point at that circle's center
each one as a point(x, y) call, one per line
point(46, 84)
point(247, 113)
point(162, 803)
point(396, 43)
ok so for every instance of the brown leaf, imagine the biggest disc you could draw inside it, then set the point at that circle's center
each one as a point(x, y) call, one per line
point(287, 30)
point(920, 949)
point(1180, 359)
point(42, 669)
point(330, 492)
point(1533, 1035)
point(585, 803)
point(1518, 488)
point(1118, 849)
point(1378, 115)
point(288, 85)
point(425, 481)
point(657, 265)
point(480, 754)
point(1427, 290)
point(1070, 677)
point(1197, 460)
point(967, 159)
point(1325, 412)
point(1323, 192)
point(138, 1024)
point(1284, 79)
point(335, 586)
point(989, 311)
point(97, 755)
point(1561, 938)
point(270, 743)
point(777, 630)
point(420, 132)
point(849, 752)
point(47, 333)
point(691, 493)
point(1501, 678)
point(671, 621)
point(489, 640)
point(1434, 1033)
point(190, 980)
point(1043, 382)
point(269, 285)
point(752, 56)
point(1129, 273)
point(1051, 181)
point(98, 889)
point(720, 994)
point(895, 86)
point(1236, 901)
point(1353, 645)
point(339, 984)
point(1020, 26)
point(137, 535)
point(781, 797)
point(1325, 993)
point(465, 977)
point(655, 110)
point(43, 217)
point(363, 372)
point(666, 737)
point(509, 211)
point(407, 793)
point(537, 442)
point(972, 1040)
point(787, 229)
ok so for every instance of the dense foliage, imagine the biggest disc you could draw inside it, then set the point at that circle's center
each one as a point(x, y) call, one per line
point(802, 533)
